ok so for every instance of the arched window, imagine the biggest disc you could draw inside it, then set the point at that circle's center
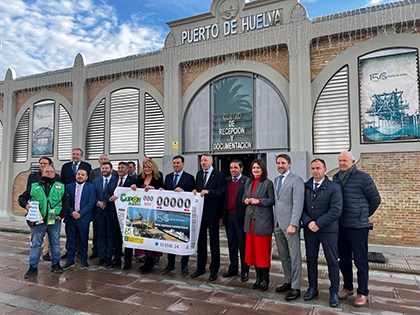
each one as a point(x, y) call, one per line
point(50, 135)
point(124, 107)
point(243, 112)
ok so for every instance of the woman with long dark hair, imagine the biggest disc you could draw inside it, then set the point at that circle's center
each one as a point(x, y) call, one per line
point(259, 199)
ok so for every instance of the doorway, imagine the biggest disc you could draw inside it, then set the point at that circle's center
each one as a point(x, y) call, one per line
point(222, 162)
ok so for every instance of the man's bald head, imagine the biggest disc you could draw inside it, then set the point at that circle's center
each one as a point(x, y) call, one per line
point(346, 161)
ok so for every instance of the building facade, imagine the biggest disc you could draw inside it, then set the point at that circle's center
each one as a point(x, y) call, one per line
point(244, 80)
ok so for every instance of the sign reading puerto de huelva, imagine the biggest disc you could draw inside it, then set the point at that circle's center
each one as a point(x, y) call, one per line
point(162, 221)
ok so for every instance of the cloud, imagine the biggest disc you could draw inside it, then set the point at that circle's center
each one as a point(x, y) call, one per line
point(44, 35)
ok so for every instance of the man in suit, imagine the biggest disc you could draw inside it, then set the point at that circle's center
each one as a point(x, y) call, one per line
point(132, 169)
point(289, 197)
point(360, 201)
point(101, 215)
point(233, 219)
point(94, 174)
point(178, 181)
point(69, 169)
point(97, 172)
point(210, 183)
point(82, 201)
point(35, 178)
point(123, 180)
point(68, 173)
point(323, 205)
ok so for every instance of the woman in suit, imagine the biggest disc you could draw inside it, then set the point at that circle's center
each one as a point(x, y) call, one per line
point(150, 178)
point(259, 200)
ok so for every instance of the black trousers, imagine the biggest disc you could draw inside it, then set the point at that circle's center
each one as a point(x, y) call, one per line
point(236, 241)
point(104, 235)
point(116, 240)
point(329, 245)
point(213, 228)
point(354, 241)
point(184, 260)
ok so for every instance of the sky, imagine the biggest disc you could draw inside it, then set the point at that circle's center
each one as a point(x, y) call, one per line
point(45, 35)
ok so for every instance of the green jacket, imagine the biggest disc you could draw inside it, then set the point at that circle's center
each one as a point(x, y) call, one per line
point(55, 197)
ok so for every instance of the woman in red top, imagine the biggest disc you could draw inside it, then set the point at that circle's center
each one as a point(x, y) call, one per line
point(259, 199)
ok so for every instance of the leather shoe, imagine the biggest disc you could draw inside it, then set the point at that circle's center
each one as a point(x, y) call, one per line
point(168, 268)
point(229, 274)
point(284, 287)
point(344, 294)
point(47, 257)
point(197, 273)
point(361, 300)
point(334, 300)
point(244, 276)
point(213, 276)
point(184, 270)
point(126, 267)
point(93, 256)
point(101, 262)
point(310, 294)
point(293, 295)
point(114, 264)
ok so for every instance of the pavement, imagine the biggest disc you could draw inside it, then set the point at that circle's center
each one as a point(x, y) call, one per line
point(394, 289)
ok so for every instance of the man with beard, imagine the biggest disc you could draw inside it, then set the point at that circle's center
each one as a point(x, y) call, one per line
point(53, 207)
point(102, 216)
point(82, 200)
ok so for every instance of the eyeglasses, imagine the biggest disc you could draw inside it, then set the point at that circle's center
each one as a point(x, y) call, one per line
point(49, 172)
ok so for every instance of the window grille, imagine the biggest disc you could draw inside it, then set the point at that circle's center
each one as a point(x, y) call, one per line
point(21, 141)
point(154, 128)
point(124, 124)
point(65, 133)
point(331, 125)
point(95, 134)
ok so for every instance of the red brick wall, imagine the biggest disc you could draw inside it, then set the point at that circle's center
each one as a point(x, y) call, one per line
point(275, 58)
point(22, 97)
point(153, 77)
point(397, 220)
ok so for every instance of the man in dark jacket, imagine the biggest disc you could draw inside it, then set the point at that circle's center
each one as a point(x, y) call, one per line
point(53, 203)
point(233, 219)
point(360, 200)
point(322, 209)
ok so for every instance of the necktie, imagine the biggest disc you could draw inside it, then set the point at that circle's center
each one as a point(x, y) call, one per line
point(121, 182)
point(106, 184)
point(74, 169)
point(234, 179)
point(205, 178)
point(175, 180)
point(77, 201)
point(279, 183)
point(316, 186)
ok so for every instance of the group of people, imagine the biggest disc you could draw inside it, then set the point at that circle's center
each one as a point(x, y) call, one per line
point(332, 212)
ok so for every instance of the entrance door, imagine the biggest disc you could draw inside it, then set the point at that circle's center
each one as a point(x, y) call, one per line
point(222, 162)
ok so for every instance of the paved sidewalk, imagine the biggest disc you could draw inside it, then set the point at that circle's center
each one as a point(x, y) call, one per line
point(394, 262)
point(101, 291)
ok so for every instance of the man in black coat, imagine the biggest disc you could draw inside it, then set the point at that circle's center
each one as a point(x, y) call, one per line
point(233, 219)
point(360, 200)
point(122, 180)
point(69, 169)
point(210, 183)
point(322, 209)
point(178, 181)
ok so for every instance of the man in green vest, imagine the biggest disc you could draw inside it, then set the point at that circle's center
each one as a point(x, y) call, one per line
point(53, 203)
